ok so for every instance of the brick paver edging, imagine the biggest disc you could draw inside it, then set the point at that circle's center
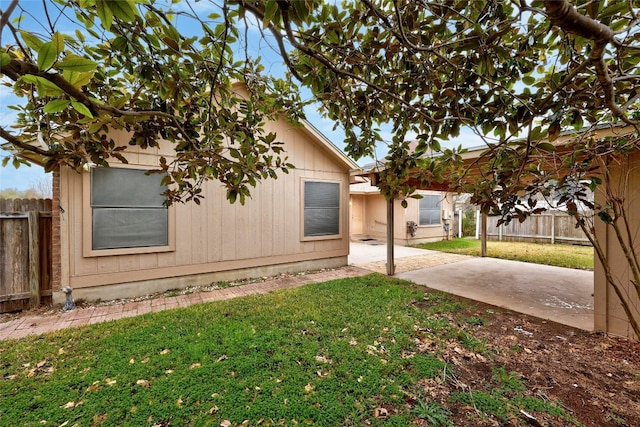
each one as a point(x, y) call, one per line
point(36, 325)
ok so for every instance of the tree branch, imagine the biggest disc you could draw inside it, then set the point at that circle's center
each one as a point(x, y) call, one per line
point(4, 16)
point(12, 139)
point(327, 63)
point(565, 16)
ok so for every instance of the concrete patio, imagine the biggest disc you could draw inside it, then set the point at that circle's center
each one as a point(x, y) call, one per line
point(562, 295)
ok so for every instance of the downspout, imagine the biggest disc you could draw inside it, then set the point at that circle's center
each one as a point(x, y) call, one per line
point(391, 268)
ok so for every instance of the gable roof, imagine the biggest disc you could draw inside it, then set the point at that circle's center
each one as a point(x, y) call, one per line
point(328, 147)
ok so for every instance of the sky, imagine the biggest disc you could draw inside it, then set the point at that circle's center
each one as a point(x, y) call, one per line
point(25, 177)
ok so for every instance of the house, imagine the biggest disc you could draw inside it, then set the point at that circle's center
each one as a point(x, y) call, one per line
point(428, 219)
point(110, 243)
point(621, 177)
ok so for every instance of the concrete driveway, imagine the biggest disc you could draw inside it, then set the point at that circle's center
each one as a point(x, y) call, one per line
point(558, 294)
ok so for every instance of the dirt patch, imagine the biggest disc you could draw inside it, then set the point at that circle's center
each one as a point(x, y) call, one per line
point(595, 377)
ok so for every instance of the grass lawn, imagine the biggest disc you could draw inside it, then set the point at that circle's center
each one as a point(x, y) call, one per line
point(571, 256)
point(347, 352)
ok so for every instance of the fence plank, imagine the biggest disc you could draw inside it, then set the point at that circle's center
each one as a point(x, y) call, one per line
point(34, 260)
point(25, 253)
point(14, 260)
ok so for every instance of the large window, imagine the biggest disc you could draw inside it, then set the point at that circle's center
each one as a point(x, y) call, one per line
point(430, 209)
point(321, 209)
point(127, 209)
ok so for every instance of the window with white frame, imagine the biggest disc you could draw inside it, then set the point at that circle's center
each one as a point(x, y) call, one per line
point(430, 209)
point(127, 209)
point(321, 209)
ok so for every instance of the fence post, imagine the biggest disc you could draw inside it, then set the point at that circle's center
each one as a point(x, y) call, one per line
point(34, 260)
point(459, 222)
point(483, 243)
point(553, 228)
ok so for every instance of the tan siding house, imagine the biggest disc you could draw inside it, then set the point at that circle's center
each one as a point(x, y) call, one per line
point(609, 314)
point(430, 216)
point(299, 221)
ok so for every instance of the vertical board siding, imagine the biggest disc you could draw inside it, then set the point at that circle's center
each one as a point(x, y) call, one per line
point(217, 232)
point(25, 253)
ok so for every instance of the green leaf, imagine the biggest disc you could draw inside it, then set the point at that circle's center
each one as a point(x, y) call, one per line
point(5, 59)
point(104, 13)
point(45, 87)
point(76, 79)
point(80, 36)
point(605, 217)
point(56, 106)
point(31, 40)
point(546, 146)
point(123, 9)
point(77, 63)
point(58, 42)
point(270, 10)
point(46, 56)
point(81, 108)
point(528, 80)
point(615, 8)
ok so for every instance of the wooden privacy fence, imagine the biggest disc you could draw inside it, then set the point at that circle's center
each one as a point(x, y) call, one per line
point(551, 227)
point(25, 253)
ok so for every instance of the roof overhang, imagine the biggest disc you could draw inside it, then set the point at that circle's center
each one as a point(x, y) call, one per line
point(475, 158)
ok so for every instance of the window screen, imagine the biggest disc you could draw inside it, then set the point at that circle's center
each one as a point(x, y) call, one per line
point(127, 209)
point(430, 210)
point(321, 209)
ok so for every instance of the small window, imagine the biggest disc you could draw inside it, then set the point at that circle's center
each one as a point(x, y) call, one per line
point(321, 209)
point(127, 209)
point(430, 209)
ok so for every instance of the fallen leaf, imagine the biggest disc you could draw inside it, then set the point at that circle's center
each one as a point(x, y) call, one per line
point(214, 410)
point(93, 386)
point(179, 401)
point(221, 358)
point(131, 361)
point(144, 383)
point(526, 350)
point(323, 359)
point(68, 405)
point(61, 351)
point(169, 371)
point(145, 360)
point(308, 388)
point(380, 413)
point(165, 351)
point(109, 381)
point(195, 365)
point(225, 423)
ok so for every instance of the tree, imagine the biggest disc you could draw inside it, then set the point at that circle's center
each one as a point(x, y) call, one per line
point(517, 73)
point(127, 66)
